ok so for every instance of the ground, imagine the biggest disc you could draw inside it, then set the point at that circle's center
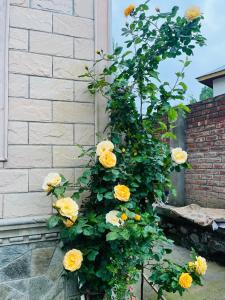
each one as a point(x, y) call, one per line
point(214, 282)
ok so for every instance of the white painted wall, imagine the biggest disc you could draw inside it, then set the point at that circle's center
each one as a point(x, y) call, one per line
point(219, 86)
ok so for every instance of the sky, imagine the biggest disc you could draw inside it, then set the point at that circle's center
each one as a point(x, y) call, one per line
point(205, 59)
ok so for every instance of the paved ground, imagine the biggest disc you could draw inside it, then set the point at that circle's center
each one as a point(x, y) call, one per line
point(214, 282)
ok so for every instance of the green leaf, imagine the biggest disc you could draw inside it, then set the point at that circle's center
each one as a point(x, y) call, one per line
point(118, 50)
point(172, 115)
point(99, 197)
point(53, 221)
point(108, 195)
point(111, 236)
point(92, 255)
point(184, 86)
point(169, 135)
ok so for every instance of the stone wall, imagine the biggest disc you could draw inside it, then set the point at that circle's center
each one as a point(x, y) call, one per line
point(204, 240)
point(205, 141)
point(49, 109)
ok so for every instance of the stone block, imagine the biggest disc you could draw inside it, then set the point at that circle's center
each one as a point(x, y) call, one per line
point(51, 89)
point(49, 133)
point(17, 269)
point(84, 9)
point(53, 44)
point(84, 134)
point(10, 253)
point(40, 260)
point(30, 63)
point(18, 85)
point(65, 6)
point(30, 18)
point(26, 204)
point(81, 92)
point(55, 268)
point(18, 39)
point(67, 156)
point(84, 49)
point(38, 287)
point(9, 293)
point(73, 112)
point(24, 3)
point(29, 110)
point(13, 181)
point(28, 156)
point(69, 68)
point(19, 285)
point(1, 206)
point(36, 177)
point(73, 26)
point(17, 133)
point(79, 172)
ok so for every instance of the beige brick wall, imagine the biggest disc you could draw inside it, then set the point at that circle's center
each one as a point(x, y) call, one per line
point(49, 109)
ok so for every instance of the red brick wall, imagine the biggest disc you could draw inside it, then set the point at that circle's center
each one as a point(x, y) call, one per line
point(205, 138)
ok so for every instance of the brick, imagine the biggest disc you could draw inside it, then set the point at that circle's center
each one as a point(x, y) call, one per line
point(36, 177)
point(29, 156)
point(69, 68)
point(13, 181)
point(18, 39)
point(73, 26)
point(30, 19)
point(24, 3)
point(48, 133)
point(51, 89)
point(29, 110)
point(73, 112)
point(67, 156)
point(84, 49)
point(84, 8)
point(65, 6)
point(48, 43)
point(18, 85)
point(84, 134)
point(26, 204)
point(81, 92)
point(17, 133)
point(30, 63)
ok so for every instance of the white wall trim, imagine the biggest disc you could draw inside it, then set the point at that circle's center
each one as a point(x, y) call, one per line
point(4, 36)
point(103, 40)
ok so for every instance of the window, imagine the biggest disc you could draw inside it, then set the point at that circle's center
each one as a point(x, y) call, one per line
point(4, 25)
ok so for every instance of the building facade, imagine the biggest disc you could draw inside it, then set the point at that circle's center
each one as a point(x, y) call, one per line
point(45, 110)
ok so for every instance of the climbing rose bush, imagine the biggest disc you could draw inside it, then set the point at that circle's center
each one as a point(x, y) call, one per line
point(113, 235)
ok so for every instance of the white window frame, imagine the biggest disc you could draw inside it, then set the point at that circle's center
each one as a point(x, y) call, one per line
point(4, 34)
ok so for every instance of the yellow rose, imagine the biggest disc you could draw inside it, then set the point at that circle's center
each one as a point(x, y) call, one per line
point(69, 222)
point(122, 193)
point(137, 217)
point(129, 9)
point(179, 156)
point(191, 265)
point(185, 280)
point(107, 159)
point(104, 146)
point(67, 207)
point(200, 265)
point(192, 13)
point(72, 260)
point(124, 217)
point(112, 218)
point(51, 180)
